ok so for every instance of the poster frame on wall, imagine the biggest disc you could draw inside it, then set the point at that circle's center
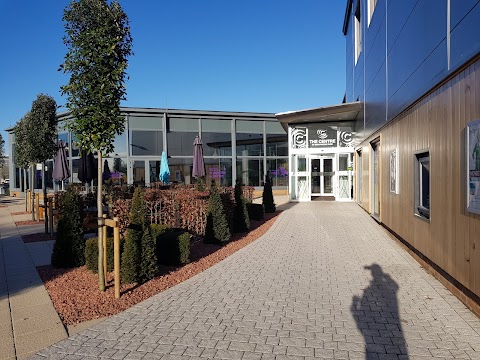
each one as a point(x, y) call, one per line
point(472, 155)
point(394, 188)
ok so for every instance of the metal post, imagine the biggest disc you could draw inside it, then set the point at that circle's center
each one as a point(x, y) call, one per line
point(116, 257)
point(37, 206)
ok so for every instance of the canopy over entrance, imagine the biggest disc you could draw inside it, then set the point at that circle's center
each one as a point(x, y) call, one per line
point(341, 112)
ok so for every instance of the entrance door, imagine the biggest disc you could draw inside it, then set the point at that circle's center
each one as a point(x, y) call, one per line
point(322, 170)
point(376, 179)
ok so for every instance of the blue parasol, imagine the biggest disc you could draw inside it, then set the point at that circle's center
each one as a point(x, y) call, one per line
point(164, 170)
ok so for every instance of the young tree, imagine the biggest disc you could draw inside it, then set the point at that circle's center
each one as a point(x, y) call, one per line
point(42, 136)
point(241, 220)
point(267, 196)
point(99, 43)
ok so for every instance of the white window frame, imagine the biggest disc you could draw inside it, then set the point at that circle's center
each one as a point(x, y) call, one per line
point(358, 31)
point(372, 4)
point(420, 210)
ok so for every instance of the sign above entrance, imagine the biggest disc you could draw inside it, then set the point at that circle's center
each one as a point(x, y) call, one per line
point(322, 137)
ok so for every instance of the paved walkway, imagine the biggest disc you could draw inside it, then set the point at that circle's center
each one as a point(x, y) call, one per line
point(28, 320)
point(325, 282)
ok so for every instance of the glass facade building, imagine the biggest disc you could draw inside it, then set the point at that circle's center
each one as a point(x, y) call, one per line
point(235, 145)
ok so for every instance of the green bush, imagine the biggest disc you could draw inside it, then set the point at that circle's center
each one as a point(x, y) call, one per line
point(267, 197)
point(174, 247)
point(148, 257)
point(255, 211)
point(130, 265)
point(91, 253)
point(69, 247)
point(241, 220)
point(217, 229)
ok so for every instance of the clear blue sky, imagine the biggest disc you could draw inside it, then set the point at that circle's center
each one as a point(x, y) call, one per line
point(243, 55)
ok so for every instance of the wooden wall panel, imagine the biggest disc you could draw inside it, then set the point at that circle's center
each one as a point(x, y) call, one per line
point(437, 122)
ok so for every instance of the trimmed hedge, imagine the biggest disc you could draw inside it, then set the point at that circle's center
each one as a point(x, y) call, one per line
point(267, 196)
point(91, 253)
point(255, 211)
point(173, 247)
point(241, 220)
point(69, 248)
point(217, 230)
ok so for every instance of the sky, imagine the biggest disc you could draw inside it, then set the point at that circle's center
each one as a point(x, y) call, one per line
point(231, 55)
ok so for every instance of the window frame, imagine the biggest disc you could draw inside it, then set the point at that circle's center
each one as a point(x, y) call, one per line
point(358, 41)
point(372, 4)
point(421, 158)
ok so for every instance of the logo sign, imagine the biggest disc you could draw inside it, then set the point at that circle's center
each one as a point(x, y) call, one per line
point(322, 137)
point(347, 138)
point(299, 138)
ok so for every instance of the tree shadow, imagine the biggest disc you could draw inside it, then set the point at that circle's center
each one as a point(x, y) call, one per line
point(377, 316)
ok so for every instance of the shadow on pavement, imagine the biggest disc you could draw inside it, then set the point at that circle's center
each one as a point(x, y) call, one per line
point(377, 316)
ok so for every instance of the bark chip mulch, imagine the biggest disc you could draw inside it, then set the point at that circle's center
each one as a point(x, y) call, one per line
point(75, 294)
point(37, 237)
point(20, 213)
point(27, 222)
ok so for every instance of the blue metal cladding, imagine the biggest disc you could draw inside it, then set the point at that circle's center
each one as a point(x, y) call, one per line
point(408, 49)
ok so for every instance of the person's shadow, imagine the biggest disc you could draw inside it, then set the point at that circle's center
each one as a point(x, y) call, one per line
point(377, 316)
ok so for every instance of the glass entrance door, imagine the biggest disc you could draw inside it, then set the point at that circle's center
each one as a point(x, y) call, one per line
point(322, 171)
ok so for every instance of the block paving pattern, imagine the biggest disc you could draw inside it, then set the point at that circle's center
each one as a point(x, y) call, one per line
point(325, 282)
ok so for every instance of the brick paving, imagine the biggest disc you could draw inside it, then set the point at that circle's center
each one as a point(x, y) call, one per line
point(325, 282)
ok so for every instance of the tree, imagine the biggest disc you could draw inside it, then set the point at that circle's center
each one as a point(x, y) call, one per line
point(241, 220)
point(99, 43)
point(267, 196)
point(42, 136)
point(130, 265)
point(35, 137)
point(69, 247)
point(217, 229)
point(20, 148)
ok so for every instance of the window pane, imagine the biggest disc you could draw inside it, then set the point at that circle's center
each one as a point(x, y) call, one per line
point(145, 122)
point(278, 169)
point(425, 183)
point(117, 171)
point(249, 144)
point(220, 125)
point(217, 144)
point(139, 173)
point(181, 170)
point(183, 124)
point(249, 126)
point(250, 171)
point(49, 174)
point(274, 127)
point(277, 145)
point(219, 170)
point(343, 162)
point(154, 167)
point(120, 145)
point(180, 143)
point(146, 143)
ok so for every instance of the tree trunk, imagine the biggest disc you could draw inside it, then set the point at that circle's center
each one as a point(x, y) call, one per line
point(25, 188)
point(32, 188)
point(45, 204)
point(101, 276)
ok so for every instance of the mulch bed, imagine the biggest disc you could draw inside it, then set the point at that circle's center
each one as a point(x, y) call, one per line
point(20, 213)
point(37, 237)
point(27, 222)
point(75, 294)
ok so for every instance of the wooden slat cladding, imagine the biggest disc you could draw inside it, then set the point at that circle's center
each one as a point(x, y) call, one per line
point(436, 124)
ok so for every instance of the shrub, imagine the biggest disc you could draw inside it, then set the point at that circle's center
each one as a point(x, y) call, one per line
point(158, 229)
point(174, 247)
point(217, 229)
point(255, 211)
point(148, 257)
point(241, 220)
point(69, 247)
point(267, 197)
point(91, 253)
point(130, 265)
